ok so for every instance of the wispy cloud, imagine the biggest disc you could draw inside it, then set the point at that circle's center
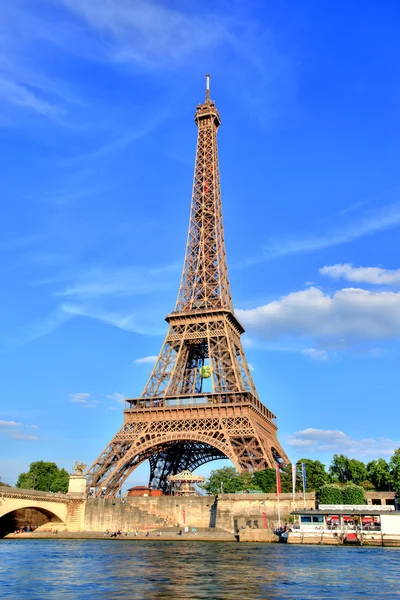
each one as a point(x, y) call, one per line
point(147, 32)
point(132, 322)
point(23, 436)
point(371, 222)
point(123, 281)
point(315, 354)
point(374, 275)
point(333, 440)
point(117, 397)
point(21, 96)
point(145, 360)
point(9, 423)
point(112, 147)
point(44, 326)
point(84, 399)
point(15, 430)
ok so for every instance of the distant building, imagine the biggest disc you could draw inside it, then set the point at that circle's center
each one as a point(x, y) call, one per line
point(142, 490)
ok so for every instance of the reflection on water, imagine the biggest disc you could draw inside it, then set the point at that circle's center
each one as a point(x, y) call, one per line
point(133, 569)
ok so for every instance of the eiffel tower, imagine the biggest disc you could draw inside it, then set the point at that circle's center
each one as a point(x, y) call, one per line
point(176, 424)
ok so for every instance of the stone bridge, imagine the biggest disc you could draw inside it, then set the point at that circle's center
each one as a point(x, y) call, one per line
point(19, 508)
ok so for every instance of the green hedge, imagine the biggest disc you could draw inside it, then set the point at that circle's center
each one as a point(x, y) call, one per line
point(353, 494)
point(330, 493)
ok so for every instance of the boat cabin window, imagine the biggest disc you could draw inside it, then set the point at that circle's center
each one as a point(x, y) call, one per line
point(318, 519)
point(306, 519)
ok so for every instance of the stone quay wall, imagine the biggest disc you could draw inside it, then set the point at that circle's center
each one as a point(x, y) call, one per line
point(230, 512)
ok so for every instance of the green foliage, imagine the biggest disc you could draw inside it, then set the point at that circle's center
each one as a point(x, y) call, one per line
point(316, 476)
point(265, 480)
point(44, 476)
point(345, 469)
point(353, 494)
point(60, 483)
point(330, 493)
point(229, 478)
point(394, 466)
point(350, 478)
point(367, 486)
point(379, 474)
point(286, 479)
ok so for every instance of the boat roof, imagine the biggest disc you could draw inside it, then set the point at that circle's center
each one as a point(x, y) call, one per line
point(368, 510)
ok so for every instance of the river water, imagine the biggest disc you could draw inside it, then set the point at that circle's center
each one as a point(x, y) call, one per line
point(119, 569)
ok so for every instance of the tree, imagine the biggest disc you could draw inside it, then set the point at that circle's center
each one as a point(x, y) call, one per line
point(353, 494)
point(379, 474)
point(316, 476)
point(265, 480)
point(44, 476)
point(344, 469)
point(286, 479)
point(394, 466)
point(330, 493)
point(60, 482)
point(229, 478)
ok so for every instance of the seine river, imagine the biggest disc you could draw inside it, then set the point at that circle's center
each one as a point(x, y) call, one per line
point(214, 571)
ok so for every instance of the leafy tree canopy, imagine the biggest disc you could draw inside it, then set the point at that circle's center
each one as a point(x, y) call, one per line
point(379, 474)
point(265, 480)
point(227, 480)
point(394, 465)
point(316, 476)
point(344, 469)
point(44, 476)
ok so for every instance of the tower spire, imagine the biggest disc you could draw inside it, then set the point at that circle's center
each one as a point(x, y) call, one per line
point(205, 282)
point(208, 87)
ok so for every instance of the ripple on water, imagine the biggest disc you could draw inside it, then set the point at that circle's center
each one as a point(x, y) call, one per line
point(120, 569)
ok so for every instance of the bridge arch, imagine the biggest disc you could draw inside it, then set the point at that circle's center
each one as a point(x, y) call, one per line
point(29, 515)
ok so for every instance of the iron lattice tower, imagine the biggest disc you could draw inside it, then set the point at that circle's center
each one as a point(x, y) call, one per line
point(175, 424)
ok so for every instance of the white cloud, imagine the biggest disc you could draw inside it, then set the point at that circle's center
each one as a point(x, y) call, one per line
point(118, 398)
point(9, 423)
point(83, 398)
point(35, 426)
point(148, 32)
point(315, 354)
point(348, 316)
point(145, 360)
point(23, 436)
point(335, 441)
point(374, 275)
point(13, 430)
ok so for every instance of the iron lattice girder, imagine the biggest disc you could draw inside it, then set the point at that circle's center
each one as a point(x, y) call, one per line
point(205, 282)
point(231, 421)
point(179, 456)
point(217, 335)
point(238, 432)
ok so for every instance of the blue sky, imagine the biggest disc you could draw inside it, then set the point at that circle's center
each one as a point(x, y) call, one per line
point(97, 150)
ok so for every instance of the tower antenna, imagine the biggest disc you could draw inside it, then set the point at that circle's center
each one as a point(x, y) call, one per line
point(208, 87)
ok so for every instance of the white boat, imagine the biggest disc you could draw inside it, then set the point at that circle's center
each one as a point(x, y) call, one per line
point(346, 524)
